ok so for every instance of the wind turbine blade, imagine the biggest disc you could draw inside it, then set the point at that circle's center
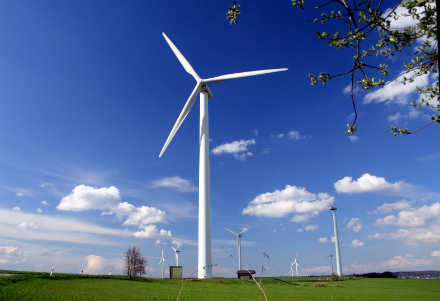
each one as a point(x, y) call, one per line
point(230, 231)
point(182, 59)
point(189, 103)
point(245, 230)
point(239, 75)
point(174, 249)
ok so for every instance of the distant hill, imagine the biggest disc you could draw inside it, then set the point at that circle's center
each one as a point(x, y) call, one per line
point(421, 274)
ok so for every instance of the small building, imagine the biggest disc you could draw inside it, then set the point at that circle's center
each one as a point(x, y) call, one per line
point(245, 274)
point(175, 272)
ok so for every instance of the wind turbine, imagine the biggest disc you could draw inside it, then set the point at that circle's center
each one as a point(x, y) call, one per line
point(177, 251)
point(338, 254)
point(204, 243)
point(162, 260)
point(331, 258)
point(239, 244)
point(291, 269)
point(296, 265)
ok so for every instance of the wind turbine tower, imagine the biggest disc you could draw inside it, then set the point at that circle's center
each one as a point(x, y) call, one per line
point(162, 260)
point(177, 251)
point(204, 244)
point(338, 255)
point(239, 244)
point(291, 269)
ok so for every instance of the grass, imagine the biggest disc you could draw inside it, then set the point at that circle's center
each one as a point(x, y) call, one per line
point(40, 286)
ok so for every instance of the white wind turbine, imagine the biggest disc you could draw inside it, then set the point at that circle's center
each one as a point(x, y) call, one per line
point(177, 251)
point(204, 244)
point(162, 260)
point(331, 258)
point(291, 269)
point(296, 265)
point(239, 244)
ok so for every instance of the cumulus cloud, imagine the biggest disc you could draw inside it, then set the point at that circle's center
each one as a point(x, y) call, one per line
point(101, 265)
point(19, 194)
point(28, 226)
point(242, 157)
point(397, 93)
point(39, 210)
point(369, 183)
point(290, 200)
point(400, 205)
point(8, 250)
point(45, 203)
point(397, 262)
point(150, 231)
point(176, 183)
point(86, 198)
point(429, 235)
point(16, 208)
point(435, 254)
point(311, 227)
point(416, 217)
point(355, 224)
point(324, 240)
point(157, 242)
point(355, 243)
point(233, 147)
point(402, 21)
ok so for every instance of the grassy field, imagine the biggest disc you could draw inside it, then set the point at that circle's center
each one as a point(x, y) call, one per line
point(40, 286)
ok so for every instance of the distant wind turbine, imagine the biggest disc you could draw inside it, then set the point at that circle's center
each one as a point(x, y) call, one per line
point(239, 244)
point(162, 260)
point(331, 259)
point(51, 272)
point(296, 265)
point(177, 251)
point(291, 269)
point(338, 254)
point(204, 244)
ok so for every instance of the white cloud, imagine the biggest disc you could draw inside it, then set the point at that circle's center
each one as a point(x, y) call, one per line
point(429, 157)
point(299, 230)
point(28, 226)
point(324, 239)
point(353, 138)
point(3, 261)
point(311, 227)
point(290, 200)
point(280, 135)
point(369, 183)
point(397, 93)
point(355, 243)
point(397, 262)
point(150, 231)
point(395, 117)
point(414, 236)
point(86, 198)
point(39, 210)
point(403, 21)
point(19, 194)
point(157, 242)
point(400, 205)
point(101, 265)
point(295, 135)
point(176, 183)
point(16, 208)
point(256, 132)
point(355, 224)
point(318, 270)
point(347, 90)
point(45, 203)
point(8, 250)
point(233, 147)
point(416, 217)
point(435, 254)
point(242, 157)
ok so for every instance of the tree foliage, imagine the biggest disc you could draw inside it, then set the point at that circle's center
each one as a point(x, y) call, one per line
point(135, 263)
point(367, 17)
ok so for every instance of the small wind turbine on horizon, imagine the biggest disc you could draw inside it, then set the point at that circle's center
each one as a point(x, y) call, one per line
point(296, 265)
point(162, 260)
point(291, 269)
point(177, 251)
point(204, 235)
point(331, 258)
point(239, 244)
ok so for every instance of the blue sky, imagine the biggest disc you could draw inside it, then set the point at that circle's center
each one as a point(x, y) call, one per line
point(89, 91)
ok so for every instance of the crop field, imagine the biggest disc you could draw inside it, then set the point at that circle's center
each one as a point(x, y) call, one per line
point(40, 286)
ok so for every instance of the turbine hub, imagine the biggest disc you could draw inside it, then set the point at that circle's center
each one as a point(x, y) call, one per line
point(205, 88)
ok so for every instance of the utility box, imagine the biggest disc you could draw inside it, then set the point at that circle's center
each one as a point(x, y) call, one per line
point(175, 272)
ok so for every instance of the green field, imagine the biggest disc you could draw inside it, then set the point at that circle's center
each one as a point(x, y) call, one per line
point(40, 286)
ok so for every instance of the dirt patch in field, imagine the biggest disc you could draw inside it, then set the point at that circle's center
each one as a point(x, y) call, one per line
point(7, 274)
point(319, 284)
